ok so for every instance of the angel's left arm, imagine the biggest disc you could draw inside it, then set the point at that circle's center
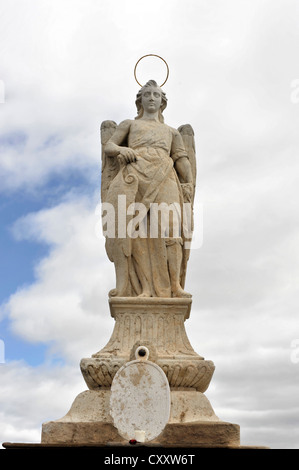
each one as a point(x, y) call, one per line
point(181, 161)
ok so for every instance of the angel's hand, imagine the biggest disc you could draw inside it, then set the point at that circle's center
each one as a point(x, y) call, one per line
point(127, 155)
point(187, 189)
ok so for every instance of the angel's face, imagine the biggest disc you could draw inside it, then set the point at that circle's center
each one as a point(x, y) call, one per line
point(151, 99)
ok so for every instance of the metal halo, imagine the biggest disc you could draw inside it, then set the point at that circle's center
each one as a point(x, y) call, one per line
point(154, 55)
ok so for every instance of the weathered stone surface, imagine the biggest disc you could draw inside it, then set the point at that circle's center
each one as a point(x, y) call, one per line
point(177, 434)
point(89, 406)
point(158, 324)
point(89, 419)
point(193, 374)
point(159, 321)
point(140, 400)
point(190, 406)
point(94, 406)
point(217, 433)
point(55, 432)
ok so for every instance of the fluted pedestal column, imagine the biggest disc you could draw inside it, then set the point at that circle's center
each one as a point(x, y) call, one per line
point(157, 324)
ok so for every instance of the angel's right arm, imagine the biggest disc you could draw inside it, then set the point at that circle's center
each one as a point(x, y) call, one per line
point(113, 148)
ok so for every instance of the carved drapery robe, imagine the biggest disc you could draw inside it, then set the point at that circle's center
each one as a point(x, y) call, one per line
point(151, 179)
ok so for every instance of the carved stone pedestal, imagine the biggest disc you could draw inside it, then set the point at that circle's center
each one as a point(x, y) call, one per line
point(157, 324)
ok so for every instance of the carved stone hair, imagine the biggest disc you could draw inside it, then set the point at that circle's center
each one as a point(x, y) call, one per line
point(139, 97)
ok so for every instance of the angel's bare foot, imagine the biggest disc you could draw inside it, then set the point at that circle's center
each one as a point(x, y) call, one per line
point(144, 294)
point(179, 292)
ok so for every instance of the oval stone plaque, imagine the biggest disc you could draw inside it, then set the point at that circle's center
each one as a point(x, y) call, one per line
point(140, 400)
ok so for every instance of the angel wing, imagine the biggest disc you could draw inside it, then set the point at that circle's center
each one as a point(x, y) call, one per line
point(110, 166)
point(114, 183)
point(187, 134)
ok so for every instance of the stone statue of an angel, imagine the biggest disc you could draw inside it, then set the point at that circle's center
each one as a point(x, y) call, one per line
point(148, 179)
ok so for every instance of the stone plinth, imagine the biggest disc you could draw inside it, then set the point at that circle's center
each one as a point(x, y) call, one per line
point(192, 423)
point(158, 324)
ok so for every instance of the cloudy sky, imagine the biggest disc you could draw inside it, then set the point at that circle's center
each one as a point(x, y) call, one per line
point(67, 65)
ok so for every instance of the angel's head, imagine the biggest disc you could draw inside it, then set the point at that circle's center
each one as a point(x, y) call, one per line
point(159, 99)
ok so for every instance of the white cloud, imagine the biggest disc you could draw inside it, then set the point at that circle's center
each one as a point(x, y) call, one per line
point(73, 68)
point(67, 305)
point(30, 396)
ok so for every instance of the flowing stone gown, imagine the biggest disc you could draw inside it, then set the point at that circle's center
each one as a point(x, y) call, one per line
point(152, 179)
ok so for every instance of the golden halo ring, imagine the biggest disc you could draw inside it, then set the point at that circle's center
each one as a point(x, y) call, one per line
point(152, 55)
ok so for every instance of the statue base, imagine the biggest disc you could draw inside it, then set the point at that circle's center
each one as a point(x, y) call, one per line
point(192, 423)
point(157, 324)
